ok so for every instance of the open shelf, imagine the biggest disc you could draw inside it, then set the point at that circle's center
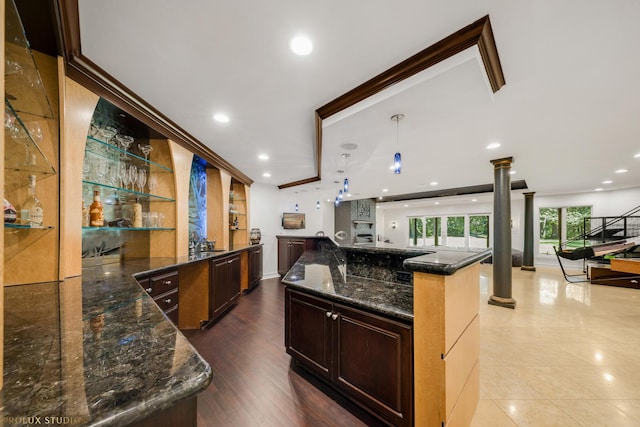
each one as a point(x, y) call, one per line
point(124, 193)
point(107, 228)
point(101, 148)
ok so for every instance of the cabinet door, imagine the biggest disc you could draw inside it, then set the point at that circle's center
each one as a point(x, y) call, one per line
point(283, 256)
point(373, 362)
point(233, 278)
point(255, 266)
point(308, 331)
point(218, 287)
point(296, 249)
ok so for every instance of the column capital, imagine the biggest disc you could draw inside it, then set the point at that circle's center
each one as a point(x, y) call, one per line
point(502, 163)
point(529, 194)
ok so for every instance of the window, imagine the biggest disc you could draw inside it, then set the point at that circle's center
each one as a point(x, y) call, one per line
point(558, 225)
point(479, 231)
point(460, 231)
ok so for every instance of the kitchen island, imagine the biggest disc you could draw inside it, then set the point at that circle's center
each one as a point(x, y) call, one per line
point(97, 350)
point(367, 338)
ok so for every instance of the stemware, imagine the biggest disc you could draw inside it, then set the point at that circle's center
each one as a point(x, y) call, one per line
point(141, 179)
point(146, 149)
point(124, 141)
point(124, 176)
point(133, 176)
point(107, 133)
point(153, 183)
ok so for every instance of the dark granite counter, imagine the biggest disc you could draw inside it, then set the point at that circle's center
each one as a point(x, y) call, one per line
point(96, 350)
point(374, 277)
point(445, 262)
point(323, 273)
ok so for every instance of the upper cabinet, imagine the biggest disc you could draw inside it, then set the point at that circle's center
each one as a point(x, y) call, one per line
point(31, 148)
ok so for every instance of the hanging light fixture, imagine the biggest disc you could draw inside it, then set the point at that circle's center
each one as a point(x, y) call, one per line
point(397, 158)
point(317, 198)
point(345, 184)
point(297, 207)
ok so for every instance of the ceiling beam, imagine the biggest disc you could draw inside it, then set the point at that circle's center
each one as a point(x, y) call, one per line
point(477, 34)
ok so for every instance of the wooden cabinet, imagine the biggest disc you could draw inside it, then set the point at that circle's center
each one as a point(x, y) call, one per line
point(364, 356)
point(163, 287)
point(255, 266)
point(224, 284)
point(289, 250)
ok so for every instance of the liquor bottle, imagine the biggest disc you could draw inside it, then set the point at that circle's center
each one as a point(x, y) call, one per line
point(85, 215)
point(96, 211)
point(236, 224)
point(117, 208)
point(32, 212)
point(10, 215)
point(137, 214)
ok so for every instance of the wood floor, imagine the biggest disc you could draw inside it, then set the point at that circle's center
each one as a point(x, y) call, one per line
point(254, 382)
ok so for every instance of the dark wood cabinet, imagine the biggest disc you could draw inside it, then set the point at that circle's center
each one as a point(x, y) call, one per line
point(365, 356)
point(255, 266)
point(224, 284)
point(163, 288)
point(290, 249)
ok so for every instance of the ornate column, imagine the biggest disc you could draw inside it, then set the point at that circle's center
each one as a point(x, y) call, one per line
point(502, 234)
point(527, 256)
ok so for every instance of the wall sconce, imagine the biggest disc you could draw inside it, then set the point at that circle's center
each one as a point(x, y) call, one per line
point(394, 224)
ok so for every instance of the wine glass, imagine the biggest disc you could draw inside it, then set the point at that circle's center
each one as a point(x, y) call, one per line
point(146, 149)
point(124, 141)
point(153, 183)
point(107, 133)
point(124, 176)
point(133, 176)
point(142, 179)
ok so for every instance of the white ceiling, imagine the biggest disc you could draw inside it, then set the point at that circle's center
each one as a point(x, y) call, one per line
point(568, 113)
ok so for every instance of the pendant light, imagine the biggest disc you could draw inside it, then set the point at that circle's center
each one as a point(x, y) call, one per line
point(397, 158)
point(317, 198)
point(345, 184)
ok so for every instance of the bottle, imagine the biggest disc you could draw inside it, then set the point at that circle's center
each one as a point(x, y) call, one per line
point(10, 215)
point(236, 224)
point(137, 214)
point(117, 208)
point(32, 212)
point(96, 211)
point(85, 215)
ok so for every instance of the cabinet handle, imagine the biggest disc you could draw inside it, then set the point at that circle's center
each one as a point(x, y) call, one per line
point(149, 290)
point(167, 282)
point(328, 313)
point(168, 300)
point(334, 316)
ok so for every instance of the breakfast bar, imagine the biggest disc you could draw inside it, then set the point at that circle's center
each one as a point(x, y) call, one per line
point(413, 312)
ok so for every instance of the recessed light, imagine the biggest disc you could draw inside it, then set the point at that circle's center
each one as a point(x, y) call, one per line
point(384, 190)
point(406, 206)
point(474, 200)
point(607, 181)
point(636, 155)
point(221, 118)
point(348, 194)
point(349, 146)
point(597, 189)
point(512, 172)
point(493, 146)
point(301, 45)
point(267, 175)
point(436, 203)
point(263, 157)
point(621, 171)
point(433, 183)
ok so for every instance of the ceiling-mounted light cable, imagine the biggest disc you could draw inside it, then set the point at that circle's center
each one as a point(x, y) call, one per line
point(345, 186)
point(397, 158)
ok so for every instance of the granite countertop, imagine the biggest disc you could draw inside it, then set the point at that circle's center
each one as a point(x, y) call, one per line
point(96, 349)
point(445, 262)
point(322, 274)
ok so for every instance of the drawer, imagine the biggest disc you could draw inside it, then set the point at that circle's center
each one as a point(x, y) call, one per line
point(168, 300)
point(172, 314)
point(161, 283)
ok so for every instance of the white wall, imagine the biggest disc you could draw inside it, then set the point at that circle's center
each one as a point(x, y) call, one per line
point(267, 205)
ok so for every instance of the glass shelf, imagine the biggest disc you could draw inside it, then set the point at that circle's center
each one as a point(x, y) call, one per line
point(107, 228)
point(104, 149)
point(22, 154)
point(237, 229)
point(8, 225)
point(237, 213)
point(23, 85)
point(123, 193)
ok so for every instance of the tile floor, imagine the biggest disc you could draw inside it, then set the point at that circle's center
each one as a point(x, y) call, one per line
point(568, 355)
